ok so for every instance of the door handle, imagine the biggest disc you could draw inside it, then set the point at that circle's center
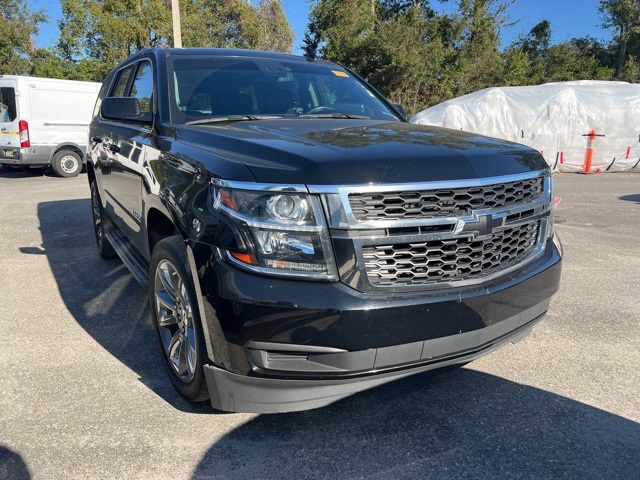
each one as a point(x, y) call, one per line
point(113, 147)
point(96, 139)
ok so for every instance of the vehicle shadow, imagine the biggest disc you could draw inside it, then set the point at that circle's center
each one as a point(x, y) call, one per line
point(631, 198)
point(463, 424)
point(102, 295)
point(12, 465)
point(18, 173)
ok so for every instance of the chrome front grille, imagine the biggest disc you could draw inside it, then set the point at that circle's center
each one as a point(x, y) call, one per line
point(449, 260)
point(437, 235)
point(443, 202)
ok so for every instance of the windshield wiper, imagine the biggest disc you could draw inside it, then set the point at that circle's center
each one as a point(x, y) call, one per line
point(334, 115)
point(232, 118)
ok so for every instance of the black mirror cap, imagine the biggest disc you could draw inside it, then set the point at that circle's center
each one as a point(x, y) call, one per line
point(400, 109)
point(126, 109)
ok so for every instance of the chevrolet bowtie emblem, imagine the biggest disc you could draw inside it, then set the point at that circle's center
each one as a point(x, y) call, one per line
point(482, 223)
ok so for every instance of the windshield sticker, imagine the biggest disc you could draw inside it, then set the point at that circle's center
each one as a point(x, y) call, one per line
point(338, 73)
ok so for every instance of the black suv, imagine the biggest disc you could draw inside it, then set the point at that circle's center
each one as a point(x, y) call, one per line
point(300, 240)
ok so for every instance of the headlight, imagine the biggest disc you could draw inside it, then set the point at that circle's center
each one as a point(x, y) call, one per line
point(279, 231)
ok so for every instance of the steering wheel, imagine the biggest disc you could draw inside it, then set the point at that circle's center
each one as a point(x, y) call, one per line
point(320, 110)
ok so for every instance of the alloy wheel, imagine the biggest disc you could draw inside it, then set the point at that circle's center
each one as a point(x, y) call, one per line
point(175, 320)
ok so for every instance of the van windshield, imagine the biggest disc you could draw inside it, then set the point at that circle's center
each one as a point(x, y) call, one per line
point(253, 87)
point(7, 104)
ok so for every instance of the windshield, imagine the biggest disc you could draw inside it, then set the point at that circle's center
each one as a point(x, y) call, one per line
point(266, 88)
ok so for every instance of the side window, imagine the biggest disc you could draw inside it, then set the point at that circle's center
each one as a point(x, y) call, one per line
point(142, 88)
point(120, 88)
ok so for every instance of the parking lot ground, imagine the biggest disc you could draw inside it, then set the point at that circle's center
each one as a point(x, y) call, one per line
point(83, 393)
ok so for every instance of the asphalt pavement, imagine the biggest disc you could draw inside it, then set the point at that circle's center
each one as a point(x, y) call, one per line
point(83, 393)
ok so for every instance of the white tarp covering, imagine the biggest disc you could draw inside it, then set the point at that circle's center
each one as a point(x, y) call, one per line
point(554, 118)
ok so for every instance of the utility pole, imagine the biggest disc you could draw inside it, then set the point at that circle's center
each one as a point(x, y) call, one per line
point(177, 32)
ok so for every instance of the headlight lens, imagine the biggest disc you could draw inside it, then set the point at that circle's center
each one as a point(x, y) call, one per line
point(279, 233)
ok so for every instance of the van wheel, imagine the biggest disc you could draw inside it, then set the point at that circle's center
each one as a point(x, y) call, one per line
point(35, 171)
point(176, 321)
point(66, 163)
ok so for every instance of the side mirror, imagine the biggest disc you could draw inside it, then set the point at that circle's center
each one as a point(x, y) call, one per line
point(126, 109)
point(400, 109)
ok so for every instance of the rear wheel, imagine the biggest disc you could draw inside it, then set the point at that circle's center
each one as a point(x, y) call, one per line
point(35, 171)
point(67, 163)
point(176, 320)
point(99, 222)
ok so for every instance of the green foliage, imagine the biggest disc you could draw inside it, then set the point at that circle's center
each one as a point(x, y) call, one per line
point(95, 35)
point(413, 54)
point(236, 24)
point(18, 25)
point(623, 18)
point(419, 57)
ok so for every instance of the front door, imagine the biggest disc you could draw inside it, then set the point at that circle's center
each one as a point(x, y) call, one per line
point(124, 148)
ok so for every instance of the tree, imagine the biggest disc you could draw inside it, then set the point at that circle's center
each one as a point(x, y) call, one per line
point(623, 18)
point(536, 43)
point(339, 28)
point(105, 32)
point(409, 52)
point(18, 25)
point(573, 60)
point(392, 43)
point(236, 24)
point(479, 63)
point(95, 35)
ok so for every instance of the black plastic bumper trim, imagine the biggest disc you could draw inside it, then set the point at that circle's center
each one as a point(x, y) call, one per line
point(238, 393)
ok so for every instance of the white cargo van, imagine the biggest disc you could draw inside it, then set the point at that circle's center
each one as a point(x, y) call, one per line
point(44, 122)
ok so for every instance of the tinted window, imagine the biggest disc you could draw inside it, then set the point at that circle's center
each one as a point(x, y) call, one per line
point(7, 104)
point(120, 88)
point(142, 88)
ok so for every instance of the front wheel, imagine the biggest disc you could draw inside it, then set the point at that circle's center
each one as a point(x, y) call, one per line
point(176, 320)
point(67, 163)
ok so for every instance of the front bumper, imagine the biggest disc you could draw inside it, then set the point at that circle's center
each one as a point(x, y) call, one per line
point(238, 393)
point(279, 345)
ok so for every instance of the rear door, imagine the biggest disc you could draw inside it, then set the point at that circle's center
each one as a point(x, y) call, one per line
point(9, 119)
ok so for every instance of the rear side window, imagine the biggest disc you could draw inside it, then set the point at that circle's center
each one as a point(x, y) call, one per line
point(7, 104)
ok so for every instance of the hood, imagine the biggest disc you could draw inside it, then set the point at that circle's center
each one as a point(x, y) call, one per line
point(344, 152)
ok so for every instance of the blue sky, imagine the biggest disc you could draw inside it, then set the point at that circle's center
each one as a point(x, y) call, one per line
point(569, 18)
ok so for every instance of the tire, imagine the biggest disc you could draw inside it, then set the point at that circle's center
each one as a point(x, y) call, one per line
point(176, 319)
point(67, 163)
point(35, 171)
point(100, 224)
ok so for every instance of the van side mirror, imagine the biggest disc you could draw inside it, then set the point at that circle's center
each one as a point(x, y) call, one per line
point(126, 109)
point(400, 109)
